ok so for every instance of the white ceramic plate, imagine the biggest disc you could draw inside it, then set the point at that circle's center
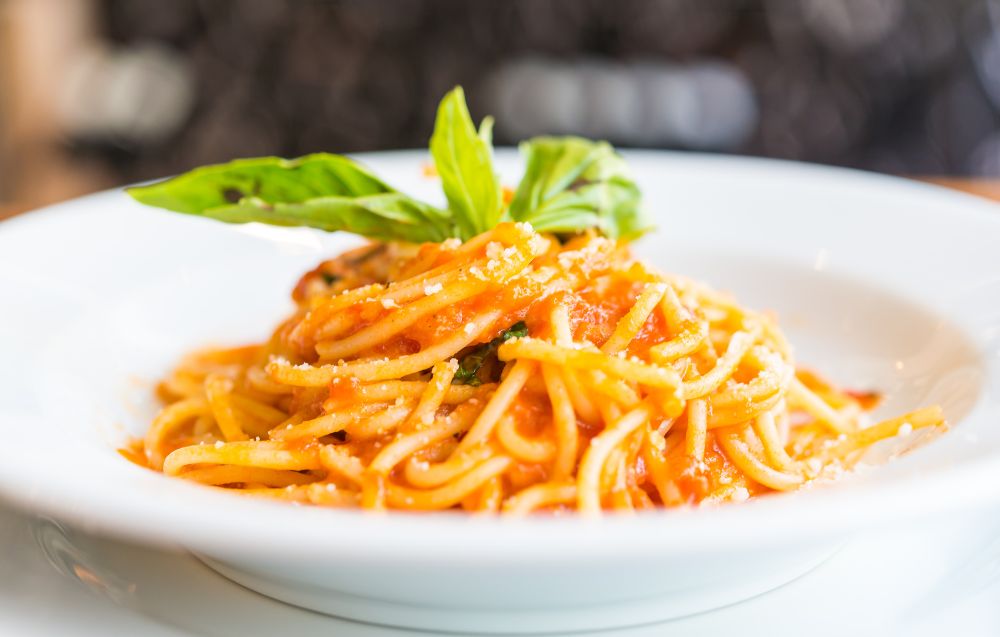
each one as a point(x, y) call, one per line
point(940, 578)
point(880, 282)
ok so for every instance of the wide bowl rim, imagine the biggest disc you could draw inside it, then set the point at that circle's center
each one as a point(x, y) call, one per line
point(247, 526)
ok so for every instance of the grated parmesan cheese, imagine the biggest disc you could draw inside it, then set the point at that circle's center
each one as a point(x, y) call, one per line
point(219, 444)
point(388, 303)
point(432, 289)
point(814, 465)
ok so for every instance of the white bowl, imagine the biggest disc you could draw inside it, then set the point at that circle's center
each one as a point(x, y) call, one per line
point(879, 282)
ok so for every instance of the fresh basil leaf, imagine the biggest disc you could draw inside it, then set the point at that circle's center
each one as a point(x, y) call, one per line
point(463, 157)
point(571, 184)
point(271, 179)
point(470, 364)
point(324, 191)
point(390, 216)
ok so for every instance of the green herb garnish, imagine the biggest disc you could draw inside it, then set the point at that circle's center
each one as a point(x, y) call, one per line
point(472, 362)
point(570, 185)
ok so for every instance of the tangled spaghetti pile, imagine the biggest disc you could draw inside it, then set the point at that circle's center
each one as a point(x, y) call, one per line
point(510, 374)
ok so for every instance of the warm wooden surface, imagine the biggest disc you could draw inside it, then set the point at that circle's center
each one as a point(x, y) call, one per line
point(989, 188)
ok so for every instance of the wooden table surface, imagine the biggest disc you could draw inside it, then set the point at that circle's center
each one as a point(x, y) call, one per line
point(989, 188)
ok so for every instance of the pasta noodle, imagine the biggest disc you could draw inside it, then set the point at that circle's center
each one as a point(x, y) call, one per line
point(510, 374)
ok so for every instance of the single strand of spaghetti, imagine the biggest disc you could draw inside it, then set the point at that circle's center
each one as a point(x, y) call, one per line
point(538, 496)
point(393, 453)
point(390, 390)
point(338, 461)
point(203, 425)
point(373, 491)
point(168, 420)
point(412, 287)
point(430, 401)
point(614, 388)
point(424, 475)
point(324, 495)
point(926, 417)
point(327, 423)
point(739, 454)
point(610, 412)
point(653, 454)
point(338, 325)
point(564, 421)
point(313, 325)
point(382, 369)
point(692, 334)
point(491, 496)
point(782, 423)
point(291, 493)
point(634, 370)
point(581, 402)
point(805, 436)
point(379, 424)
point(621, 498)
point(521, 448)
point(776, 338)
point(676, 315)
point(450, 494)
point(630, 324)
point(697, 428)
point(815, 405)
point(726, 493)
point(182, 386)
point(734, 412)
point(217, 390)
point(589, 474)
point(229, 474)
point(774, 450)
point(745, 401)
point(398, 320)
point(257, 409)
point(258, 379)
point(609, 472)
point(456, 255)
point(559, 318)
point(739, 345)
point(526, 242)
point(501, 400)
point(640, 499)
point(265, 455)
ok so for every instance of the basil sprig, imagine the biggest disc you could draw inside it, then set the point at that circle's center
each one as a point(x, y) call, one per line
point(472, 363)
point(570, 185)
point(463, 157)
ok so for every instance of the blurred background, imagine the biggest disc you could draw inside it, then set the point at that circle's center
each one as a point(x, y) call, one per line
point(95, 93)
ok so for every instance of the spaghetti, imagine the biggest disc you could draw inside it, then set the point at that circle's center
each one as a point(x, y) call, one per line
point(512, 374)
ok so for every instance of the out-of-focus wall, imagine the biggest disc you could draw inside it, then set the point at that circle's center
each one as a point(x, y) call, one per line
point(98, 92)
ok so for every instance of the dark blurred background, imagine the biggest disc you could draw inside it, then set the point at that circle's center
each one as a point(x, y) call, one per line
point(101, 92)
